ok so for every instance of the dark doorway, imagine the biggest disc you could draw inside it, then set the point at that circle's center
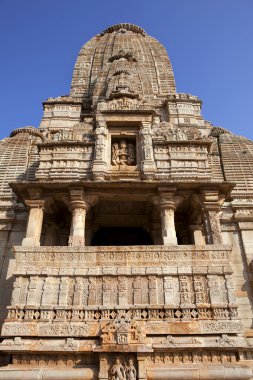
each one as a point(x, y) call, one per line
point(121, 236)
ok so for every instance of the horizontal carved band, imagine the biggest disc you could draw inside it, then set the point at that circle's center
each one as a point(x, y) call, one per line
point(110, 314)
point(81, 257)
point(93, 328)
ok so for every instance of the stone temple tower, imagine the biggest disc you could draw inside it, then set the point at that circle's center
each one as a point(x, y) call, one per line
point(126, 229)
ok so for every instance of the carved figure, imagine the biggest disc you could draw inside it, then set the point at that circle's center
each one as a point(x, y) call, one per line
point(115, 153)
point(131, 154)
point(118, 371)
point(123, 153)
point(130, 371)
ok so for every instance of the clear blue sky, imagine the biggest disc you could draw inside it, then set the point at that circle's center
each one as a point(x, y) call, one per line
point(210, 44)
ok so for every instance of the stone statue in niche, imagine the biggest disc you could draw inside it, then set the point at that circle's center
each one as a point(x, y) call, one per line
point(130, 370)
point(123, 153)
point(123, 371)
point(118, 371)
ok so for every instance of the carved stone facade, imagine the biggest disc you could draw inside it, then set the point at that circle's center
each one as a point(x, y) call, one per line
point(127, 236)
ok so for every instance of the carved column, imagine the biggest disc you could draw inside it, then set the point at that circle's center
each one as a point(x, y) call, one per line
point(79, 205)
point(148, 165)
point(100, 160)
point(197, 232)
point(76, 237)
point(168, 204)
point(34, 224)
point(212, 201)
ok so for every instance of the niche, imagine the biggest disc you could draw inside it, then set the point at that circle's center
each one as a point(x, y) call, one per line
point(123, 152)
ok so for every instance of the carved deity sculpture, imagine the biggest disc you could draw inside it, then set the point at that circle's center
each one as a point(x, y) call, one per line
point(123, 372)
point(118, 371)
point(123, 153)
point(130, 371)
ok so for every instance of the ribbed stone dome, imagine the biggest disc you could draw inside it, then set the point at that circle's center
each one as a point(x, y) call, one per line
point(122, 48)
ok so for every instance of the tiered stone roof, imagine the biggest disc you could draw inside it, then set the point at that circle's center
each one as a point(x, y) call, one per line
point(129, 47)
point(18, 158)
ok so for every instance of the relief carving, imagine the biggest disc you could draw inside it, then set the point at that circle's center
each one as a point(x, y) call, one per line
point(123, 330)
point(123, 153)
point(124, 371)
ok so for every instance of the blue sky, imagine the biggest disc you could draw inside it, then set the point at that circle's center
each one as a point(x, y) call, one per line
point(210, 44)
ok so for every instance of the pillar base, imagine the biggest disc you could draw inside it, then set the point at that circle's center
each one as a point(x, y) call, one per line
point(30, 242)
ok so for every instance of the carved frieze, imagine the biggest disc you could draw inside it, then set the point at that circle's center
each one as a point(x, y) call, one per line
point(123, 330)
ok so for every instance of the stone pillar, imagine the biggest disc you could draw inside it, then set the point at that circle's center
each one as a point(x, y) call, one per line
point(212, 201)
point(142, 367)
point(100, 163)
point(168, 204)
point(77, 230)
point(79, 204)
point(197, 232)
point(34, 224)
point(103, 366)
point(148, 165)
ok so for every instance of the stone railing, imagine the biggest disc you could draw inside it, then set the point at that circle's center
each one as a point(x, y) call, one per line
point(135, 260)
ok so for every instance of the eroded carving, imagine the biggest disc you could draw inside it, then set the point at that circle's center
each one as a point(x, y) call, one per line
point(123, 153)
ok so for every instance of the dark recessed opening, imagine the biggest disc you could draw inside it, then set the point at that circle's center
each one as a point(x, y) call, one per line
point(121, 236)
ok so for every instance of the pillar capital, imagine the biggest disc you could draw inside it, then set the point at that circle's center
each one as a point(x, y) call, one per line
point(74, 205)
point(168, 198)
point(212, 199)
point(34, 193)
point(35, 203)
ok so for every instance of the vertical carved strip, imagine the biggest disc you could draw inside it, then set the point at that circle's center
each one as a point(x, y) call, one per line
point(15, 298)
point(168, 291)
point(122, 290)
point(215, 226)
point(103, 367)
point(231, 299)
point(200, 290)
point(152, 285)
point(77, 301)
point(137, 291)
point(32, 291)
point(47, 292)
point(85, 292)
point(63, 292)
point(23, 291)
point(142, 366)
point(106, 291)
point(185, 291)
point(216, 289)
point(92, 299)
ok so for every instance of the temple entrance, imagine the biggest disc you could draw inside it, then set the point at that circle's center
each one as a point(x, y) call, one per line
point(121, 236)
point(120, 223)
